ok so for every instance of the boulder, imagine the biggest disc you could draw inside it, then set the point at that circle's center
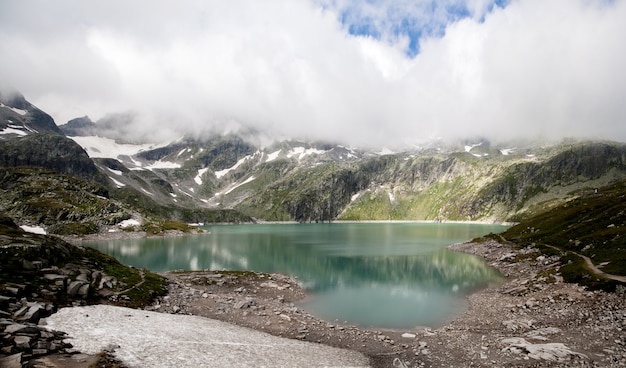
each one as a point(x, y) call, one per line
point(11, 361)
point(74, 287)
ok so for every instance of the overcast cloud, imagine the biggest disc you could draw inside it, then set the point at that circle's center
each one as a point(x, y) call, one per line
point(364, 72)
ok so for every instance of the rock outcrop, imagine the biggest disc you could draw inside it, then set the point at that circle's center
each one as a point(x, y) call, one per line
point(39, 274)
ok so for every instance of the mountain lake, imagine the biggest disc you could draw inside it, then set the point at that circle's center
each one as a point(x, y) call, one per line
point(377, 275)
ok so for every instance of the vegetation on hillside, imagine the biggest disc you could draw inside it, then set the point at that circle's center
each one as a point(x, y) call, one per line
point(25, 257)
point(593, 224)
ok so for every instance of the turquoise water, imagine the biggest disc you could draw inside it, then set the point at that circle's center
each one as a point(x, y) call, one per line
point(385, 275)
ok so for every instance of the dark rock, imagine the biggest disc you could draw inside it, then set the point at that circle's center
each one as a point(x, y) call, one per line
point(74, 287)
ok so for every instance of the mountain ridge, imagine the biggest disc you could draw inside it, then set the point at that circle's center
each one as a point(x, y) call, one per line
point(229, 177)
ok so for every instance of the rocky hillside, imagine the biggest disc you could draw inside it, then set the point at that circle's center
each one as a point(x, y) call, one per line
point(39, 274)
point(592, 225)
point(50, 151)
point(234, 178)
point(18, 117)
point(305, 182)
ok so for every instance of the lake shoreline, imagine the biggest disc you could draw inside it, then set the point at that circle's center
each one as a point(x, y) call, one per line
point(113, 233)
point(532, 319)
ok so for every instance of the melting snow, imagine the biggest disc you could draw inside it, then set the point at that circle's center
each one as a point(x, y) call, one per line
point(507, 151)
point(163, 165)
point(386, 151)
point(183, 151)
point(13, 131)
point(34, 229)
point(272, 156)
point(221, 173)
point(302, 152)
point(16, 110)
point(151, 339)
point(108, 148)
point(128, 223)
point(116, 172)
point(119, 184)
point(240, 184)
point(198, 178)
point(469, 148)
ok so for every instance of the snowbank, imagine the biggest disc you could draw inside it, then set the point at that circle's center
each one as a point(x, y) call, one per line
point(149, 339)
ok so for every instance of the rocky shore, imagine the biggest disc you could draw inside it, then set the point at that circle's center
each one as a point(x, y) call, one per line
point(532, 319)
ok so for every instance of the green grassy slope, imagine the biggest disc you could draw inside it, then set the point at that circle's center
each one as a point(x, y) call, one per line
point(593, 224)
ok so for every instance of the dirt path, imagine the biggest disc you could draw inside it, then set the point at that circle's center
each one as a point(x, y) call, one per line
point(592, 267)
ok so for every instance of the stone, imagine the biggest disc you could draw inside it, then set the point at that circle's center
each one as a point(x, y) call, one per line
point(83, 291)
point(74, 287)
point(20, 312)
point(407, 335)
point(96, 276)
point(54, 277)
point(35, 312)
point(542, 332)
point(13, 328)
point(21, 342)
point(11, 361)
point(549, 351)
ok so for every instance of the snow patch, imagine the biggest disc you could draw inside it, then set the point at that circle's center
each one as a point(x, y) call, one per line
point(469, 148)
point(272, 156)
point(163, 165)
point(34, 229)
point(15, 109)
point(151, 339)
point(117, 183)
point(507, 151)
point(13, 131)
point(108, 148)
point(355, 197)
point(221, 173)
point(385, 151)
point(183, 151)
point(128, 223)
point(240, 184)
point(302, 152)
point(198, 178)
point(116, 172)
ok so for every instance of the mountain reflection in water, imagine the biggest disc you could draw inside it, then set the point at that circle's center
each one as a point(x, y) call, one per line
point(391, 275)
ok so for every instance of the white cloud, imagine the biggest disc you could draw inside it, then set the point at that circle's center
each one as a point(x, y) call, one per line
point(532, 68)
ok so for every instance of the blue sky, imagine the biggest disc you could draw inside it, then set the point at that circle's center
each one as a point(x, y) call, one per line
point(361, 72)
point(389, 20)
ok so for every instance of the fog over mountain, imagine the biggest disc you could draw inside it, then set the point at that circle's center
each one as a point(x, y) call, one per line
point(375, 72)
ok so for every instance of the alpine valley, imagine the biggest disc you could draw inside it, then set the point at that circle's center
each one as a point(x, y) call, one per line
point(83, 177)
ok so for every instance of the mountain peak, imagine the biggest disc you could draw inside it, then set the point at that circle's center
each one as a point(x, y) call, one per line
point(18, 117)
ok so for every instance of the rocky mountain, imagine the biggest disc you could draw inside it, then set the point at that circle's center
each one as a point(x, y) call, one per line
point(303, 181)
point(233, 177)
point(50, 151)
point(18, 117)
